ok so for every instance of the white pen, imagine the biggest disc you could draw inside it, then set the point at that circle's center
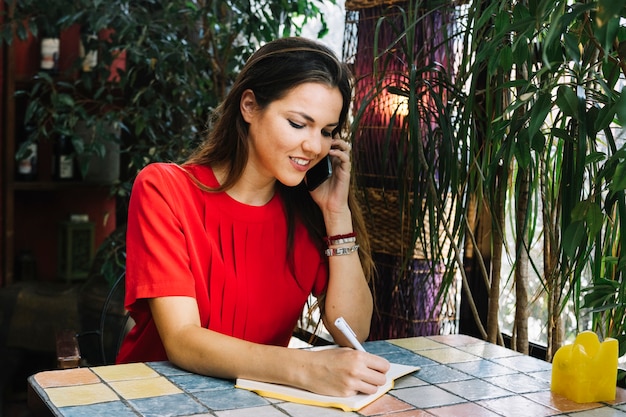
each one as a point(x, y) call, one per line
point(343, 326)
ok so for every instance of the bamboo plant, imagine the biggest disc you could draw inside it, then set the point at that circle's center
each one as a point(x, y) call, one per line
point(526, 125)
point(556, 136)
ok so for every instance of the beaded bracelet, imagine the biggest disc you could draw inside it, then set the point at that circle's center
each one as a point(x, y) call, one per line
point(341, 251)
point(339, 239)
point(342, 241)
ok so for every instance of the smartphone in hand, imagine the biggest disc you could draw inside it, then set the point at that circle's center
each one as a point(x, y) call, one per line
point(319, 173)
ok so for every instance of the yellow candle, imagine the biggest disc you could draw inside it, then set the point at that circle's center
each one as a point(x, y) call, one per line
point(586, 371)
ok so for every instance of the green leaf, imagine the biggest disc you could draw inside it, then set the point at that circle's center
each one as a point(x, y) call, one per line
point(521, 13)
point(572, 47)
point(620, 108)
point(538, 142)
point(611, 71)
point(618, 182)
point(502, 22)
point(604, 117)
point(605, 31)
point(567, 101)
point(79, 144)
point(506, 58)
point(573, 237)
point(595, 157)
point(540, 110)
point(561, 134)
point(520, 51)
point(580, 210)
point(65, 99)
point(485, 17)
point(552, 41)
point(594, 219)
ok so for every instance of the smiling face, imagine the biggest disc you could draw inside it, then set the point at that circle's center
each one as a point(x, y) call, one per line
point(291, 134)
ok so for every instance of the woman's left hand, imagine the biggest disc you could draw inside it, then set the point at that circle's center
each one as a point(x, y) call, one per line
point(332, 194)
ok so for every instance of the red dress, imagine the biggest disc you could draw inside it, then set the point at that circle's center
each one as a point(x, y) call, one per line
point(231, 257)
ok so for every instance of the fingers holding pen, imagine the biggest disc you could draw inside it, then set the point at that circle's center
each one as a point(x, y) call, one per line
point(364, 372)
point(374, 374)
point(375, 366)
point(348, 371)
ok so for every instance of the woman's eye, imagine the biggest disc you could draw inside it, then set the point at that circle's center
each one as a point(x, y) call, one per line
point(327, 134)
point(295, 125)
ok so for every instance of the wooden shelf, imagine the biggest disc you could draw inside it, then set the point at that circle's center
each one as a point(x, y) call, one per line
point(33, 210)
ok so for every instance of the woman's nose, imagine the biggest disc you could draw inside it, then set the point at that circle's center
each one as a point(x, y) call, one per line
point(313, 144)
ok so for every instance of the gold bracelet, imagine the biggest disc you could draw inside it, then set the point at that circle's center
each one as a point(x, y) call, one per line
point(341, 251)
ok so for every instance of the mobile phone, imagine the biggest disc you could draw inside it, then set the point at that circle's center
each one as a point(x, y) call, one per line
point(319, 173)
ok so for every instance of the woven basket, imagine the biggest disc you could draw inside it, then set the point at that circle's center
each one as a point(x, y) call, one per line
point(390, 231)
point(366, 4)
point(406, 293)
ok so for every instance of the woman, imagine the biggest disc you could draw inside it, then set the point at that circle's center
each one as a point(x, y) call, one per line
point(224, 250)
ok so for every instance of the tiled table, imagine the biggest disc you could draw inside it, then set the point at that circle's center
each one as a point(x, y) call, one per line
point(460, 376)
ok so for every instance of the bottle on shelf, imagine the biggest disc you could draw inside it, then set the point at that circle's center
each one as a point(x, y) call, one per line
point(50, 51)
point(64, 163)
point(26, 167)
point(88, 49)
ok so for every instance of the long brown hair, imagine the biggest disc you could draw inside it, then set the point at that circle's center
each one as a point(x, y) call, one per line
point(271, 72)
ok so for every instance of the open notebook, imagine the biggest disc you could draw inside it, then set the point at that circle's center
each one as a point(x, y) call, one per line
point(353, 403)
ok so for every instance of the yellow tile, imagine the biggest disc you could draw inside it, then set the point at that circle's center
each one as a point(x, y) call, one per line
point(417, 343)
point(125, 372)
point(489, 351)
point(448, 355)
point(80, 395)
point(456, 339)
point(144, 388)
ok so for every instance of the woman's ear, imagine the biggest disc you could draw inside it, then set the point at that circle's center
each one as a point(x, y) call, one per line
point(247, 105)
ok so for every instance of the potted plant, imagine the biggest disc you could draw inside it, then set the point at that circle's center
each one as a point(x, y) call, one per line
point(526, 146)
point(162, 68)
point(179, 59)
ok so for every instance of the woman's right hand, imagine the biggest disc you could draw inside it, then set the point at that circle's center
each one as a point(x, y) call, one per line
point(344, 372)
point(333, 371)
